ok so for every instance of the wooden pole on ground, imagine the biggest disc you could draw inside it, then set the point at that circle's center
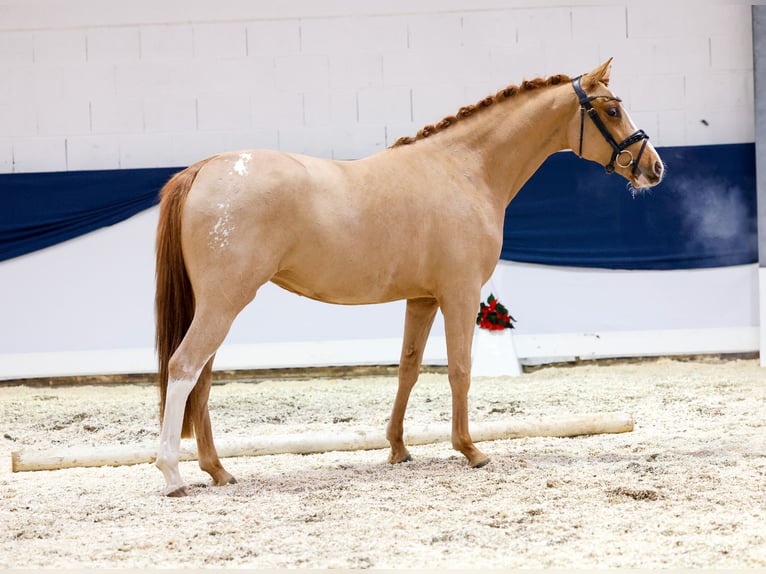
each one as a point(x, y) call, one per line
point(322, 441)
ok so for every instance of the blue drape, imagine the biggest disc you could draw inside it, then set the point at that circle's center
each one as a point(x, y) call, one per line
point(569, 213)
point(41, 209)
point(703, 214)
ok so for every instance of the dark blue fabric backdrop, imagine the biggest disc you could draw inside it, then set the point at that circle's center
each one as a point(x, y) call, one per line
point(703, 214)
point(569, 213)
point(41, 209)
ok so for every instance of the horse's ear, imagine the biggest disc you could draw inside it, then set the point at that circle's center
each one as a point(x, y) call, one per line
point(600, 74)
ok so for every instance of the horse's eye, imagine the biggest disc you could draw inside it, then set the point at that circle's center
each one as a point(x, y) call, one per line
point(613, 112)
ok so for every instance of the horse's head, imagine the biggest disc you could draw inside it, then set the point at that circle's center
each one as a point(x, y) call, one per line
point(603, 132)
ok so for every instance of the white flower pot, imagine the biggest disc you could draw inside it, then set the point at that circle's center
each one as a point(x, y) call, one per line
point(494, 354)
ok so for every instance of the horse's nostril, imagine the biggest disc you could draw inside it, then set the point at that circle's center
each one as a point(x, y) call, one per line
point(658, 168)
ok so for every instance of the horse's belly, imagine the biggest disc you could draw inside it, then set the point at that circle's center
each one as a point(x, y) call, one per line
point(350, 285)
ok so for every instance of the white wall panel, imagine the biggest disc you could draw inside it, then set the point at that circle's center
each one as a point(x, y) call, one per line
point(356, 33)
point(220, 41)
point(144, 78)
point(166, 113)
point(309, 141)
point(17, 47)
point(327, 109)
point(167, 42)
point(279, 110)
point(59, 46)
point(300, 73)
point(112, 45)
point(116, 116)
point(605, 24)
point(732, 50)
point(223, 111)
point(92, 152)
point(435, 32)
point(18, 117)
point(240, 76)
point(536, 26)
point(39, 154)
point(433, 101)
point(511, 65)
point(150, 150)
point(346, 142)
point(6, 155)
point(63, 117)
point(268, 37)
point(355, 70)
point(391, 104)
point(488, 30)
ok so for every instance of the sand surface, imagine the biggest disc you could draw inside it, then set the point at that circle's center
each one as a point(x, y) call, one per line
point(685, 488)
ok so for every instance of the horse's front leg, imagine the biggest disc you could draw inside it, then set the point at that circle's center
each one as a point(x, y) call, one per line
point(459, 320)
point(417, 324)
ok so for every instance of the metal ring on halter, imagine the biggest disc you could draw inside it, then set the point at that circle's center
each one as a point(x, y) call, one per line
point(630, 155)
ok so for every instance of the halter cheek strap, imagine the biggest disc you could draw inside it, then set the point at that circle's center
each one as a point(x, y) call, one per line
point(622, 156)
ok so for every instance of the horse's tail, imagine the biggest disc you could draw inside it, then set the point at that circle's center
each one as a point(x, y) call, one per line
point(174, 298)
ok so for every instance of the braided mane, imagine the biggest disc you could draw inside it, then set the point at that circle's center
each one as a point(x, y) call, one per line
point(467, 111)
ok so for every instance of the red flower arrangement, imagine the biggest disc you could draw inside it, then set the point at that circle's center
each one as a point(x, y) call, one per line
point(494, 316)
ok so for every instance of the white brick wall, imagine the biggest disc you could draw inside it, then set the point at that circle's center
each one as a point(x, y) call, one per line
point(270, 37)
point(88, 88)
point(116, 115)
point(167, 42)
point(220, 41)
point(392, 105)
point(113, 45)
point(433, 101)
point(223, 112)
point(39, 154)
point(330, 108)
point(17, 48)
point(59, 46)
point(93, 152)
point(435, 32)
point(6, 155)
point(277, 110)
point(173, 114)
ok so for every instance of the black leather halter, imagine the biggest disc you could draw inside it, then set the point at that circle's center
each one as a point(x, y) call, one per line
point(618, 149)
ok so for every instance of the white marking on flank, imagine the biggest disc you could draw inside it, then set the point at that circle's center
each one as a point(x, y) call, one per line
point(220, 233)
point(241, 166)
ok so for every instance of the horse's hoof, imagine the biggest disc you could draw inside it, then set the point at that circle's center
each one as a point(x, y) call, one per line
point(222, 480)
point(179, 492)
point(480, 463)
point(396, 460)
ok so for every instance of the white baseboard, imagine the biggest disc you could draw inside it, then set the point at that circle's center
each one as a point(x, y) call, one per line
point(530, 348)
point(550, 347)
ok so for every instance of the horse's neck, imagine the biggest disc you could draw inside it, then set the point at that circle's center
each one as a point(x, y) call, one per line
point(509, 141)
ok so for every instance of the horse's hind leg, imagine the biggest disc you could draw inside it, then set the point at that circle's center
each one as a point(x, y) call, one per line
point(208, 456)
point(205, 335)
point(417, 324)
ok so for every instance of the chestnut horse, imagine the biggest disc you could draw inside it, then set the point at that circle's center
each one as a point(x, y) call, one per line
point(421, 221)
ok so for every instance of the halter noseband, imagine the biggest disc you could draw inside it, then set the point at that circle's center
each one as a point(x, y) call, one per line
point(618, 149)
